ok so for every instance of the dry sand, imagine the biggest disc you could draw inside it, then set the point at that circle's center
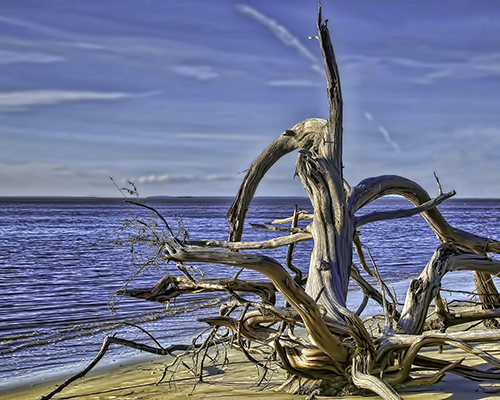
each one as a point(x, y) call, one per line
point(138, 381)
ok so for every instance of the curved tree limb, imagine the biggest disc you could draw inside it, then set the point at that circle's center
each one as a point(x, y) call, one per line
point(362, 379)
point(404, 213)
point(306, 361)
point(389, 343)
point(300, 357)
point(431, 340)
point(430, 380)
point(423, 289)
point(250, 329)
point(173, 286)
point(371, 189)
point(301, 136)
point(300, 300)
point(462, 370)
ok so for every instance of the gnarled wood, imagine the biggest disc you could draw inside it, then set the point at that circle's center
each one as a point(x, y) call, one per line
point(300, 300)
point(371, 189)
point(173, 286)
point(301, 136)
point(423, 289)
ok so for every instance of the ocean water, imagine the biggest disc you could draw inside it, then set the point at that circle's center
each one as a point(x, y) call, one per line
point(59, 269)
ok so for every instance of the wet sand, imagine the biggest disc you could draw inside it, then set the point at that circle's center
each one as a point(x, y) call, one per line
point(138, 382)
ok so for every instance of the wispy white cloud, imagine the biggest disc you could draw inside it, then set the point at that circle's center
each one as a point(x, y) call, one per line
point(487, 65)
point(33, 26)
point(181, 178)
point(360, 69)
point(222, 177)
point(198, 72)
point(190, 178)
point(161, 178)
point(294, 83)
point(45, 97)
point(219, 137)
point(14, 57)
point(378, 60)
point(91, 46)
point(423, 72)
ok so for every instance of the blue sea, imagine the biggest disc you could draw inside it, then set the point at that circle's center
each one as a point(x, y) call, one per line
point(59, 268)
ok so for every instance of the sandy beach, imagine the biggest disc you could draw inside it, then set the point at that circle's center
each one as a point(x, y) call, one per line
point(138, 381)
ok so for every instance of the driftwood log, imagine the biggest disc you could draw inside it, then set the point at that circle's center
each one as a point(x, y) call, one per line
point(337, 354)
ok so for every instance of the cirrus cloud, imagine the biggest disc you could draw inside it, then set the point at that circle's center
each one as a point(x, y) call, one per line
point(45, 97)
point(198, 72)
point(160, 178)
point(189, 178)
point(15, 57)
point(219, 137)
point(295, 83)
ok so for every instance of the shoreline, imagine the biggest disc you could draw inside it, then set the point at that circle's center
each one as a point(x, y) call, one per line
point(137, 381)
point(60, 374)
point(41, 383)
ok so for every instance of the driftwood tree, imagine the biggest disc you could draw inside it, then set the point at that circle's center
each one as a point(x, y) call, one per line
point(339, 351)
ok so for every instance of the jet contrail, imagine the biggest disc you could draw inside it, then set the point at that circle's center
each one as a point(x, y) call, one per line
point(282, 33)
point(385, 133)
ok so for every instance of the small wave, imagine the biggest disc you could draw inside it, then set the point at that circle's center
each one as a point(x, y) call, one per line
point(22, 341)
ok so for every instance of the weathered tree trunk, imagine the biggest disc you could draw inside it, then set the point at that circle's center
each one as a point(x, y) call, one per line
point(321, 173)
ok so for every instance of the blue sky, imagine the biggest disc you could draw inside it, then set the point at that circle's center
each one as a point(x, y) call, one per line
point(181, 96)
